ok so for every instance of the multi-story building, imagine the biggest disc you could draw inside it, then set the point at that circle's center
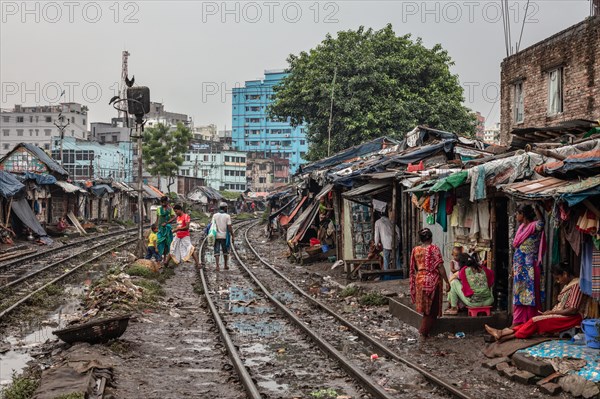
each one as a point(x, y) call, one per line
point(158, 114)
point(479, 125)
point(491, 135)
point(113, 132)
point(36, 125)
point(252, 130)
point(551, 87)
point(267, 174)
point(92, 160)
point(206, 133)
point(221, 169)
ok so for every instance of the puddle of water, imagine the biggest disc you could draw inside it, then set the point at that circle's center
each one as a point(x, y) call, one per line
point(241, 301)
point(202, 370)
point(272, 385)
point(259, 328)
point(39, 331)
point(256, 361)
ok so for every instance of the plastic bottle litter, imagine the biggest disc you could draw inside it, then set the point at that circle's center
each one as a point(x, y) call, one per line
point(411, 340)
point(374, 357)
point(578, 339)
point(459, 334)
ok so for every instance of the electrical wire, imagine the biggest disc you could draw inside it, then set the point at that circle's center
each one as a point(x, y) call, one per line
point(523, 27)
point(504, 27)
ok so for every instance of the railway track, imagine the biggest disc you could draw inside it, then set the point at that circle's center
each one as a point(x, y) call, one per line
point(30, 279)
point(374, 343)
point(310, 330)
point(5, 265)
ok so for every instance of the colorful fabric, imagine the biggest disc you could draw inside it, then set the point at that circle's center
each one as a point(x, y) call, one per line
point(562, 349)
point(183, 221)
point(442, 216)
point(165, 233)
point(549, 324)
point(595, 272)
point(588, 223)
point(181, 249)
point(527, 258)
point(476, 283)
point(425, 277)
point(570, 297)
point(586, 272)
point(482, 298)
point(522, 314)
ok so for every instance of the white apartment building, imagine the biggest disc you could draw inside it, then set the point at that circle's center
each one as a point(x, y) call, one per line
point(222, 170)
point(35, 125)
point(491, 135)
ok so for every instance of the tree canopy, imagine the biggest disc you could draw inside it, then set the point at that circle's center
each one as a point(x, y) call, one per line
point(385, 85)
point(163, 150)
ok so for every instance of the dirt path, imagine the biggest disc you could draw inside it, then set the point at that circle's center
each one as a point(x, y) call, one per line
point(171, 353)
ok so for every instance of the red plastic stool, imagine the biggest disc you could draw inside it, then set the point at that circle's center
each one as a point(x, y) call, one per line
point(474, 312)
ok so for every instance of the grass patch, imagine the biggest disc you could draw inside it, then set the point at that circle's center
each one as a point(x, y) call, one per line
point(165, 274)
point(198, 288)
point(119, 347)
point(373, 299)
point(328, 393)
point(137, 270)
point(152, 290)
point(199, 217)
point(20, 388)
point(349, 291)
point(244, 216)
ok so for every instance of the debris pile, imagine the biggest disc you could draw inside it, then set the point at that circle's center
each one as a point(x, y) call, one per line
point(116, 292)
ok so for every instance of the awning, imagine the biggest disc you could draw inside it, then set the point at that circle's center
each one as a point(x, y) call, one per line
point(100, 189)
point(68, 187)
point(297, 230)
point(367, 189)
point(571, 191)
point(23, 211)
point(324, 192)
point(9, 184)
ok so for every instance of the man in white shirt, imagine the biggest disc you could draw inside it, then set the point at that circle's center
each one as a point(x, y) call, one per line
point(222, 221)
point(383, 237)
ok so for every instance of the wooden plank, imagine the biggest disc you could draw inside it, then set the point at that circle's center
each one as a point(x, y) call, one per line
point(76, 223)
point(18, 254)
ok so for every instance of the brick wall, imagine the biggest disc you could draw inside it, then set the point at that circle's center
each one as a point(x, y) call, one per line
point(577, 51)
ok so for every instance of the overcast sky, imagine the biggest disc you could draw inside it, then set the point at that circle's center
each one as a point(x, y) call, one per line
point(191, 53)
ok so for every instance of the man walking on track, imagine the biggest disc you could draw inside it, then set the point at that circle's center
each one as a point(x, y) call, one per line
point(224, 237)
point(181, 247)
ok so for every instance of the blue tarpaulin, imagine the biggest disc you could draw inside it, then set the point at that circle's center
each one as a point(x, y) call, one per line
point(40, 179)
point(100, 189)
point(9, 184)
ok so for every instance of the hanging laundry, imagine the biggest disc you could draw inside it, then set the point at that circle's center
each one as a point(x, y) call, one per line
point(556, 247)
point(477, 183)
point(450, 202)
point(442, 216)
point(573, 235)
point(483, 216)
point(588, 223)
point(595, 272)
point(454, 217)
point(585, 273)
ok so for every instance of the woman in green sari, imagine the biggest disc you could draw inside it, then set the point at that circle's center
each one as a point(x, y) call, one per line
point(166, 215)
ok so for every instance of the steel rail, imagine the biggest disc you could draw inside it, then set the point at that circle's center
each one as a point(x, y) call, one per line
point(367, 383)
point(238, 364)
point(363, 334)
point(51, 265)
point(59, 278)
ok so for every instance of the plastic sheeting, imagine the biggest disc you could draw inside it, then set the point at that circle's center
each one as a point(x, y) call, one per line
point(22, 210)
point(101, 189)
point(40, 179)
point(9, 184)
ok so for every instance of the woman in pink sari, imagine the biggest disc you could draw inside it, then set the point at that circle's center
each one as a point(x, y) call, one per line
point(529, 245)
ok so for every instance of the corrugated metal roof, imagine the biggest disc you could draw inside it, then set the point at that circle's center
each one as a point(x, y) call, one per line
point(550, 186)
point(369, 188)
point(68, 187)
point(45, 158)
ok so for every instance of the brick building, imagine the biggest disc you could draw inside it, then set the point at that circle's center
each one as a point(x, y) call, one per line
point(553, 83)
point(267, 174)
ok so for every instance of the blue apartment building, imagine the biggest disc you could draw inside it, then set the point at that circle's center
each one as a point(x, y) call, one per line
point(252, 131)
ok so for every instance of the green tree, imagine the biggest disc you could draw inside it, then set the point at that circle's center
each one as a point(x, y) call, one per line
point(384, 85)
point(163, 150)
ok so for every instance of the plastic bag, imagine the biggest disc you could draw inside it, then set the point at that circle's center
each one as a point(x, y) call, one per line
point(212, 233)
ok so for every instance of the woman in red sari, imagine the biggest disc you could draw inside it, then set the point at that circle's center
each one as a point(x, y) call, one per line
point(426, 268)
point(563, 316)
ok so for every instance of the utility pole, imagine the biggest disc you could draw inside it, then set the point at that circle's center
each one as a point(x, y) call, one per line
point(331, 112)
point(61, 125)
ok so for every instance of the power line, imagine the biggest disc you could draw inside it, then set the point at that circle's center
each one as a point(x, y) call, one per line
point(523, 27)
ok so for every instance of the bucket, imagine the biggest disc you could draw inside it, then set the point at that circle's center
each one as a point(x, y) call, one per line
point(591, 333)
point(325, 247)
point(314, 241)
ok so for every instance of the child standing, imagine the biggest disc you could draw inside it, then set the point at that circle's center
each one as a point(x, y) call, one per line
point(152, 243)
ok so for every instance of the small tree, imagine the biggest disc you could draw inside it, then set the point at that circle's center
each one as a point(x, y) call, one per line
point(163, 150)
